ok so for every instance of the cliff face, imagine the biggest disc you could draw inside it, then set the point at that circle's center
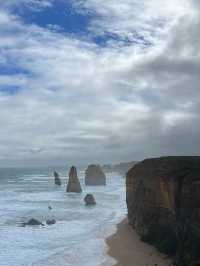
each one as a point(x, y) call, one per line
point(163, 200)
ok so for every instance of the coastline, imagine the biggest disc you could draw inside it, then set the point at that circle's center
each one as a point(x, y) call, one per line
point(127, 249)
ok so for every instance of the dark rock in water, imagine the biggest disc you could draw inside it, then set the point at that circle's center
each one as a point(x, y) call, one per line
point(163, 200)
point(49, 207)
point(89, 199)
point(73, 182)
point(57, 179)
point(50, 221)
point(94, 176)
point(33, 221)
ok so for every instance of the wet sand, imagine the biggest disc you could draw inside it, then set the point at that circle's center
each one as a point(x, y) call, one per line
point(127, 249)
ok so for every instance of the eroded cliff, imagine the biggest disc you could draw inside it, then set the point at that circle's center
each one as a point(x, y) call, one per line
point(163, 200)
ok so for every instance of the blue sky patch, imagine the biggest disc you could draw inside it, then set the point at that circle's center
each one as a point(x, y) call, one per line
point(61, 14)
point(8, 69)
point(109, 37)
point(63, 17)
point(10, 90)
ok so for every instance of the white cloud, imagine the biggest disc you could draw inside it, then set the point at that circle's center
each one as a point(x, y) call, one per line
point(133, 19)
point(33, 4)
point(80, 102)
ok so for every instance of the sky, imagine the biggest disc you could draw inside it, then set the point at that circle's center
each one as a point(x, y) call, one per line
point(86, 81)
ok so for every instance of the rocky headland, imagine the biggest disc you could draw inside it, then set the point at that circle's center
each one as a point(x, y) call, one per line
point(163, 200)
point(121, 168)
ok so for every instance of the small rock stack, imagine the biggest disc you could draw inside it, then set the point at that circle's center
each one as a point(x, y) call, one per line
point(89, 199)
point(57, 179)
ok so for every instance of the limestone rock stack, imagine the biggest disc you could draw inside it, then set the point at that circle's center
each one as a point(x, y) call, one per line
point(73, 182)
point(94, 176)
point(57, 179)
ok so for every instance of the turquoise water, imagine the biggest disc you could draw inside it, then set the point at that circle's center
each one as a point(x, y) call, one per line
point(78, 237)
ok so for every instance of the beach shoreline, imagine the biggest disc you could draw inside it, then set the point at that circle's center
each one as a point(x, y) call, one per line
point(126, 248)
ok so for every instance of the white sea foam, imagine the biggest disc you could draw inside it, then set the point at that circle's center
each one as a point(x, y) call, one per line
point(78, 237)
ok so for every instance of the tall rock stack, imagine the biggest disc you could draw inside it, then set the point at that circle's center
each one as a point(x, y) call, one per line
point(57, 179)
point(163, 200)
point(73, 182)
point(94, 176)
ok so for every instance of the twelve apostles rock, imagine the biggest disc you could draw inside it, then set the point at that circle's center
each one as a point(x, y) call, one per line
point(73, 182)
point(94, 176)
point(57, 179)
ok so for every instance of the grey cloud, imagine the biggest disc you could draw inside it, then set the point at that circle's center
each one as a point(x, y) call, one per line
point(80, 103)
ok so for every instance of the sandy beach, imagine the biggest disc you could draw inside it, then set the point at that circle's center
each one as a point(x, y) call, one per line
point(127, 249)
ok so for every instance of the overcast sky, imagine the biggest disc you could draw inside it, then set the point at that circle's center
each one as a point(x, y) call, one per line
point(98, 80)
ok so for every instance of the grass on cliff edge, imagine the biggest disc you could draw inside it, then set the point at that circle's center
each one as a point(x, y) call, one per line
point(162, 238)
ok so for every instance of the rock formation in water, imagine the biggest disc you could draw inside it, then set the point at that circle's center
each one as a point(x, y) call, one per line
point(94, 176)
point(89, 199)
point(50, 221)
point(73, 182)
point(57, 179)
point(33, 221)
point(163, 200)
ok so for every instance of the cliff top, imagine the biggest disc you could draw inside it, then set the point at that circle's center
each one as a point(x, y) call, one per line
point(170, 167)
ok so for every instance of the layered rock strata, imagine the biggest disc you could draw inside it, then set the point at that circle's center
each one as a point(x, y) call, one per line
point(163, 200)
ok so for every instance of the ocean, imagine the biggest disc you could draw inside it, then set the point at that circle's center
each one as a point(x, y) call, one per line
point(77, 238)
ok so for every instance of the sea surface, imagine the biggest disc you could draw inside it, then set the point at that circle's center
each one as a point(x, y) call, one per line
point(78, 237)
